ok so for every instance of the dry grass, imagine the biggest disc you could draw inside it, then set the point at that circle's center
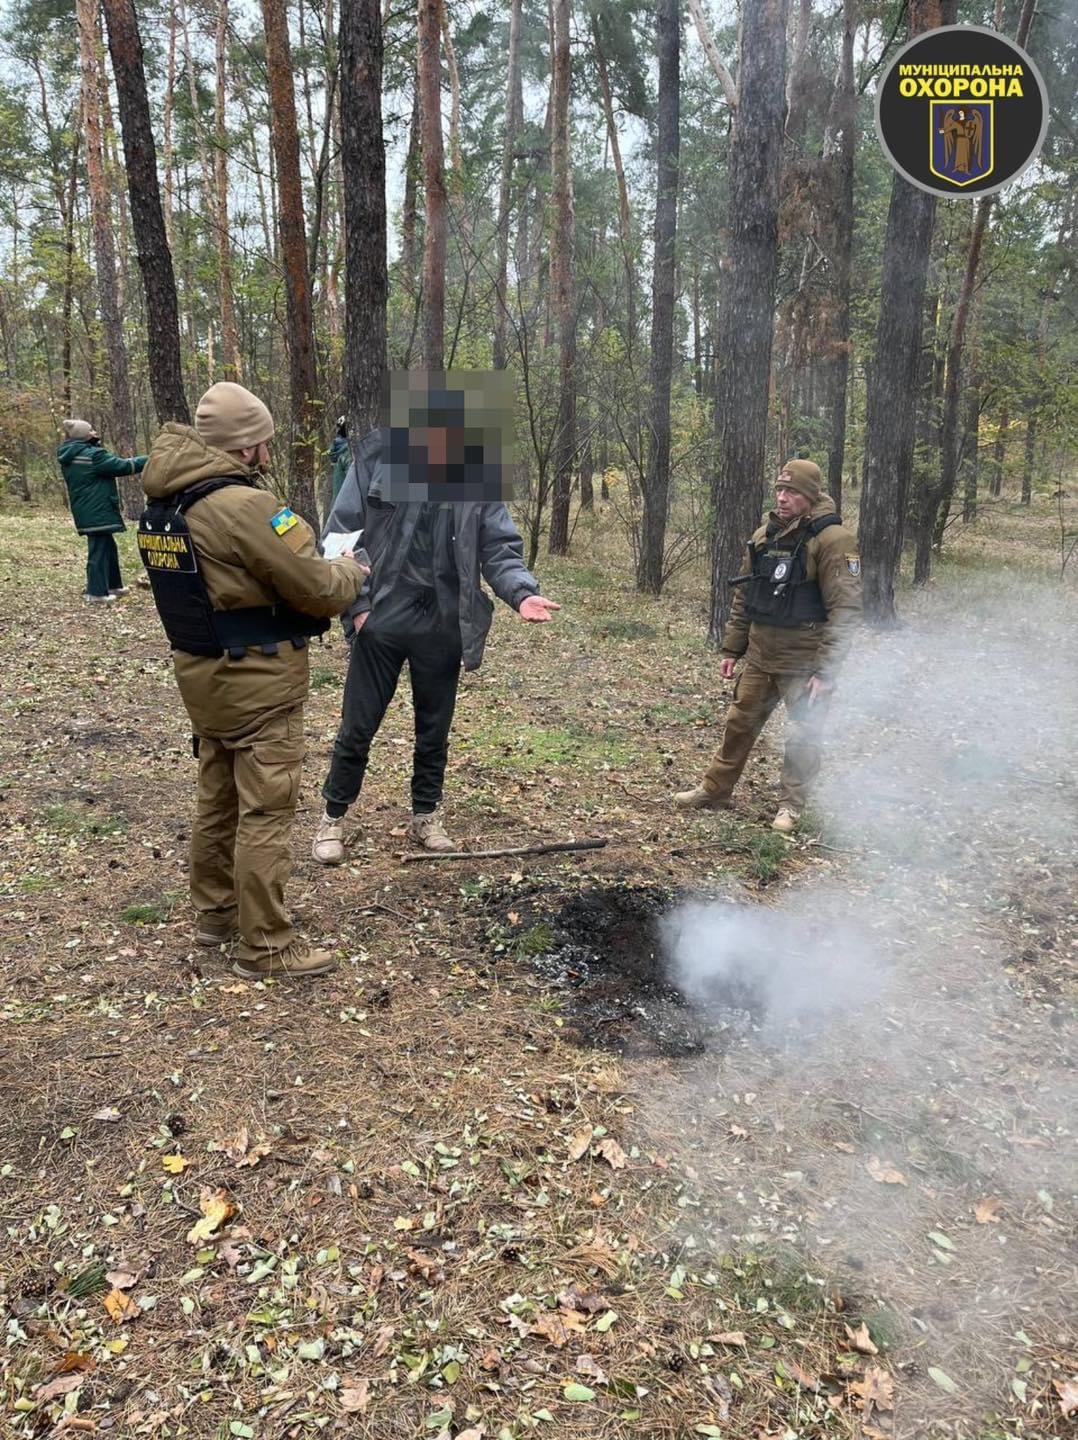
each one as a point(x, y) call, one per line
point(416, 1220)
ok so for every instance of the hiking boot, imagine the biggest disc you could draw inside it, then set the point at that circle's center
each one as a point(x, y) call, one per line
point(427, 830)
point(785, 822)
point(328, 847)
point(212, 930)
point(700, 799)
point(100, 599)
point(297, 962)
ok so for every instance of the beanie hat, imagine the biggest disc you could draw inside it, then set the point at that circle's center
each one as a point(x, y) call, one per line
point(78, 429)
point(802, 476)
point(231, 418)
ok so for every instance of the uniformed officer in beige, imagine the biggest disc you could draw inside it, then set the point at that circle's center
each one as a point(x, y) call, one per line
point(240, 588)
point(797, 602)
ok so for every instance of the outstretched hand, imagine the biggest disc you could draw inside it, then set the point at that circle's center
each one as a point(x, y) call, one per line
point(536, 609)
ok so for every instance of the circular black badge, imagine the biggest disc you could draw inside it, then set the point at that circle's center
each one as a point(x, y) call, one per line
point(961, 111)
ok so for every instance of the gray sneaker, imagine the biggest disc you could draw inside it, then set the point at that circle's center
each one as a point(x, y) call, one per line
point(427, 830)
point(328, 847)
point(100, 599)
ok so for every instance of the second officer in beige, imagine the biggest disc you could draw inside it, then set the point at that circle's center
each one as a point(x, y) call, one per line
point(240, 589)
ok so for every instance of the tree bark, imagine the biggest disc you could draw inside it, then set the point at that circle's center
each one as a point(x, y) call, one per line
point(284, 131)
point(1030, 454)
point(122, 430)
point(230, 340)
point(840, 147)
point(971, 448)
point(711, 50)
point(625, 223)
point(998, 451)
point(366, 284)
point(505, 183)
point(889, 425)
point(147, 219)
point(562, 276)
point(650, 570)
point(412, 166)
point(748, 300)
point(430, 111)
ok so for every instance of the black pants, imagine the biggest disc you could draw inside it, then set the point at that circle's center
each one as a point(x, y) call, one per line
point(406, 627)
point(102, 564)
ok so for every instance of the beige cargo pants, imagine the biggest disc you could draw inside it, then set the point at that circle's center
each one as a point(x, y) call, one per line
point(241, 839)
point(756, 695)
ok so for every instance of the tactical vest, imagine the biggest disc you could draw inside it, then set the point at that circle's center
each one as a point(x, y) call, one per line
point(778, 590)
point(183, 602)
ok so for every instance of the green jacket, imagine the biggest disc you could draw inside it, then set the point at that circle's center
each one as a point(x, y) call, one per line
point(90, 473)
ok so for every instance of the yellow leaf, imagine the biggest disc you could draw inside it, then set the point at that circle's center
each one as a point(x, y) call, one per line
point(216, 1207)
point(116, 1347)
point(120, 1306)
point(884, 1174)
point(578, 1145)
point(986, 1211)
point(174, 1164)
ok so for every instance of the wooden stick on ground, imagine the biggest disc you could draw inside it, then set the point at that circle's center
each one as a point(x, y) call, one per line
point(559, 846)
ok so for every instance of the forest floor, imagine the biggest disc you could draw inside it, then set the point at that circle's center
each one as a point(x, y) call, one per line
point(797, 1162)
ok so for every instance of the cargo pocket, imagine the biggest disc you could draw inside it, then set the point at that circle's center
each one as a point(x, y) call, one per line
point(275, 770)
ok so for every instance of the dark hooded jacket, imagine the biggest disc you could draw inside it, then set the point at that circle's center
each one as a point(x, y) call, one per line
point(90, 472)
point(481, 543)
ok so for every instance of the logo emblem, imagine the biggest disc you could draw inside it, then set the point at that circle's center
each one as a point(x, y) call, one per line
point(960, 141)
point(782, 569)
point(283, 521)
point(853, 564)
point(978, 99)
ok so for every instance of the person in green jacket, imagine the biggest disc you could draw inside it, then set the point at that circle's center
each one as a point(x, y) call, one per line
point(90, 472)
point(340, 455)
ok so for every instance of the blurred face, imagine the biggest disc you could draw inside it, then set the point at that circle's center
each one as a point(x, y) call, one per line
point(790, 503)
point(257, 457)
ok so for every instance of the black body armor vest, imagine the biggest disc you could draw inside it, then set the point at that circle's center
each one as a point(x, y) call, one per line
point(183, 602)
point(778, 590)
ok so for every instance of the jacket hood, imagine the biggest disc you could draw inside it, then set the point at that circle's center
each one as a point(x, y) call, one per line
point(179, 457)
point(70, 448)
point(823, 506)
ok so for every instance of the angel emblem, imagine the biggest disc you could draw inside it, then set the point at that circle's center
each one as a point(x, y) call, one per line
point(963, 140)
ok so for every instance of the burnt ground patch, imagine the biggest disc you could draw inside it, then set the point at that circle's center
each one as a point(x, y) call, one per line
point(599, 954)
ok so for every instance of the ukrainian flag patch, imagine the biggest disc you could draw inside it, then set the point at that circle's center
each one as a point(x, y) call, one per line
point(283, 521)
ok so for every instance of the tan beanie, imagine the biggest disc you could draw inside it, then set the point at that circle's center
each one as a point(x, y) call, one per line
point(78, 429)
point(802, 476)
point(231, 418)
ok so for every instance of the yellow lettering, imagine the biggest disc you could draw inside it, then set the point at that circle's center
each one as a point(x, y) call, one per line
point(907, 88)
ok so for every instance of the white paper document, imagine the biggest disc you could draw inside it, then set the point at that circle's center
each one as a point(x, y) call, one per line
point(335, 544)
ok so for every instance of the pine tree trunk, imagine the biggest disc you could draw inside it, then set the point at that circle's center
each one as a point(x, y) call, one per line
point(306, 408)
point(1030, 453)
point(122, 430)
point(409, 209)
point(625, 224)
point(505, 183)
point(971, 449)
point(838, 368)
point(68, 215)
point(430, 110)
point(999, 451)
point(562, 278)
point(650, 574)
point(230, 340)
point(748, 299)
point(363, 163)
point(147, 219)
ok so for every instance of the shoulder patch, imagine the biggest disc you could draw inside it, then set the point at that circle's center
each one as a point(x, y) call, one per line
point(283, 521)
point(853, 564)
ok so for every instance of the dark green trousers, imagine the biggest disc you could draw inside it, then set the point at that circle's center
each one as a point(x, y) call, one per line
point(102, 564)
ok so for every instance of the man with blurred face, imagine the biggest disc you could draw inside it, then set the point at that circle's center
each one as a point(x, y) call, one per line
point(796, 604)
point(427, 498)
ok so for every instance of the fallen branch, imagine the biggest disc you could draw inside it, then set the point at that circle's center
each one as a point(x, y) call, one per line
point(559, 846)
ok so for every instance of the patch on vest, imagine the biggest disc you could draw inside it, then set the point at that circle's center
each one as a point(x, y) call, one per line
point(166, 551)
point(283, 521)
point(853, 564)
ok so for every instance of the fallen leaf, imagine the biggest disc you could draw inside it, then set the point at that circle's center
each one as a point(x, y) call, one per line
point(513, 918)
point(577, 1300)
point(255, 1154)
point(718, 1389)
point(355, 1396)
point(845, 1147)
point(75, 1360)
point(120, 1306)
point(234, 1146)
point(109, 1116)
point(861, 1340)
point(556, 1326)
point(727, 1337)
point(578, 1145)
point(475, 1433)
point(581, 1393)
point(609, 1150)
point(381, 1341)
point(877, 1388)
point(884, 1174)
point(943, 1380)
point(803, 1378)
point(589, 1366)
point(426, 1266)
point(122, 1278)
point(490, 1361)
point(738, 1132)
point(1067, 1390)
point(61, 1385)
point(938, 1238)
point(216, 1207)
point(174, 1164)
point(986, 1211)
